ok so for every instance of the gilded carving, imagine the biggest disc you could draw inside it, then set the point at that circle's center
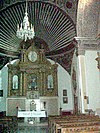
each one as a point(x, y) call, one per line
point(35, 75)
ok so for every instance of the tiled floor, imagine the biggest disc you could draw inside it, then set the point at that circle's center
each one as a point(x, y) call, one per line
point(23, 127)
point(35, 128)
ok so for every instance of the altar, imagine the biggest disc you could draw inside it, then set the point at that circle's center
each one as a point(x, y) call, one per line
point(32, 85)
point(31, 114)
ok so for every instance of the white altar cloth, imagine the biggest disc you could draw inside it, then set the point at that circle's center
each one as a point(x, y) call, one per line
point(31, 114)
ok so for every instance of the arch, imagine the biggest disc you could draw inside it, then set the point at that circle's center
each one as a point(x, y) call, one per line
point(87, 16)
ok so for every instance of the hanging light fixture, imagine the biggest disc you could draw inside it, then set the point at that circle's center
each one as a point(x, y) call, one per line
point(25, 30)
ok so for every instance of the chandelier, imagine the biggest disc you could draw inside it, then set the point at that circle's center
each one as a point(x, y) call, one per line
point(25, 30)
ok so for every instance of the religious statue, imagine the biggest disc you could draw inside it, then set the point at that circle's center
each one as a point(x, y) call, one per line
point(15, 82)
point(33, 83)
point(50, 82)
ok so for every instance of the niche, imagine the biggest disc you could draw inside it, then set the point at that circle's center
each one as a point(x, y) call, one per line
point(15, 82)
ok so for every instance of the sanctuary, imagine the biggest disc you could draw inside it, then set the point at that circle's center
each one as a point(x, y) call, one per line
point(32, 84)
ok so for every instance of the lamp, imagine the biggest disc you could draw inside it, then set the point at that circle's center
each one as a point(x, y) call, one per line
point(25, 30)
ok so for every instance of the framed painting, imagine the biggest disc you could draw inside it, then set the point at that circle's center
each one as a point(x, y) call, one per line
point(1, 93)
point(65, 99)
point(64, 92)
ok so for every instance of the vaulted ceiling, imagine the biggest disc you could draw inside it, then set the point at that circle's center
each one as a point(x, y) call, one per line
point(54, 31)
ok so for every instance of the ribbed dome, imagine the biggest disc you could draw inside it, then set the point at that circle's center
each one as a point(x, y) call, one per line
point(51, 24)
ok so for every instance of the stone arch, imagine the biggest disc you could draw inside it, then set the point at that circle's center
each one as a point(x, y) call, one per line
point(88, 18)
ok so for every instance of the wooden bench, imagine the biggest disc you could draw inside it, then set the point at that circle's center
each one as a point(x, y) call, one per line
point(9, 123)
point(73, 129)
point(76, 124)
point(57, 122)
point(53, 123)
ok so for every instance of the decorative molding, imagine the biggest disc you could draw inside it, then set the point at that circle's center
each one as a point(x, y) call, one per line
point(80, 52)
point(87, 43)
point(44, 98)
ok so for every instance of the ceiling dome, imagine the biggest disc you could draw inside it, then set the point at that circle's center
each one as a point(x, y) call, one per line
point(51, 24)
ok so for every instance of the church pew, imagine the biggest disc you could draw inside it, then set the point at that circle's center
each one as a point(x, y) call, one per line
point(5, 122)
point(73, 129)
point(79, 131)
point(9, 123)
point(59, 126)
point(1, 128)
point(54, 119)
point(77, 123)
point(51, 118)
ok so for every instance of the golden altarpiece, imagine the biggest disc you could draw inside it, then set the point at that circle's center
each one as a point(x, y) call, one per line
point(32, 78)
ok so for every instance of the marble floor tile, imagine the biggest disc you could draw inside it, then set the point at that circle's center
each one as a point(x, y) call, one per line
point(33, 128)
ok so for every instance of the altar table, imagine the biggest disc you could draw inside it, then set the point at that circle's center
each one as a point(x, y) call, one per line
point(31, 114)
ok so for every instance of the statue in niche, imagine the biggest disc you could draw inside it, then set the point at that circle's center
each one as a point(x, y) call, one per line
point(33, 83)
point(15, 82)
point(50, 81)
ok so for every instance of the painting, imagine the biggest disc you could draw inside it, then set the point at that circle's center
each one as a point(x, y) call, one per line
point(32, 82)
point(64, 92)
point(1, 93)
point(65, 99)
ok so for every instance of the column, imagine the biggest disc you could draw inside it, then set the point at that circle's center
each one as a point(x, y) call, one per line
point(82, 79)
point(39, 82)
point(21, 85)
point(55, 83)
point(85, 44)
point(44, 81)
point(9, 82)
point(24, 84)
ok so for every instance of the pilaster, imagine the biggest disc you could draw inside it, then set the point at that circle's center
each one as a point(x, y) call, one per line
point(9, 84)
point(24, 83)
point(87, 43)
point(84, 43)
point(21, 86)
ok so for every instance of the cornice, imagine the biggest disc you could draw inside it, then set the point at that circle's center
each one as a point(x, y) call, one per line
point(87, 43)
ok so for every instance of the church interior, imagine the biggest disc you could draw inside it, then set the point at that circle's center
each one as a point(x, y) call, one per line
point(49, 66)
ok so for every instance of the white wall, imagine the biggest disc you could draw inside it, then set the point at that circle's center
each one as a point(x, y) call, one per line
point(64, 82)
point(4, 87)
point(92, 80)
